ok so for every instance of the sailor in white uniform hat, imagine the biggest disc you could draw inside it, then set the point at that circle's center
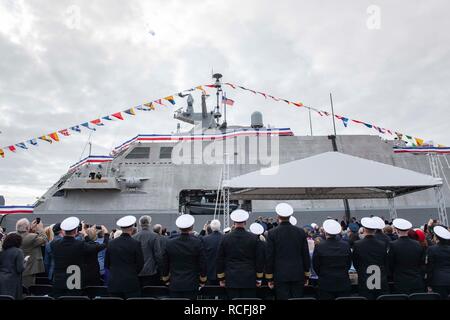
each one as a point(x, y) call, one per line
point(69, 252)
point(126, 222)
point(379, 234)
point(331, 261)
point(258, 229)
point(438, 258)
point(184, 261)
point(284, 210)
point(406, 260)
point(293, 220)
point(369, 252)
point(70, 224)
point(124, 259)
point(240, 274)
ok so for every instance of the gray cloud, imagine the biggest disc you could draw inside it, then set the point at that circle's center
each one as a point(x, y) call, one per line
point(55, 73)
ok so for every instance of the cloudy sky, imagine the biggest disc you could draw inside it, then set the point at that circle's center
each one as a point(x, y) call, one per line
point(67, 62)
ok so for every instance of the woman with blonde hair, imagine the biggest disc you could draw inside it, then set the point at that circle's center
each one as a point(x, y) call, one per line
point(49, 232)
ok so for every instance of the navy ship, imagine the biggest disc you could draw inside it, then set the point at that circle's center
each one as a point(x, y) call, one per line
point(165, 175)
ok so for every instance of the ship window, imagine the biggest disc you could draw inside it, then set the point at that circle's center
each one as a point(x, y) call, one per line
point(139, 153)
point(165, 152)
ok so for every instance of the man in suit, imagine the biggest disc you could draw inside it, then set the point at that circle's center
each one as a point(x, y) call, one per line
point(151, 248)
point(288, 259)
point(69, 259)
point(33, 239)
point(371, 261)
point(406, 260)
point(124, 260)
point(211, 244)
point(332, 259)
point(184, 262)
point(240, 261)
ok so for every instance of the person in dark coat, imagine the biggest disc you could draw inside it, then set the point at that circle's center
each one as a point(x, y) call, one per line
point(332, 260)
point(438, 265)
point(211, 244)
point(151, 248)
point(124, 259)
point(240, 261)
point(287, 256)
point(69, 254)
point(379, 234)
point(184, 261)
point(406, 260)
point(371, 262)
point(49, 261)
point(91, 264)
point(11, 266)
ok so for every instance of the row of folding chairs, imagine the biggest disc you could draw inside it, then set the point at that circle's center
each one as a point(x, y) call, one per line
point(386, 297)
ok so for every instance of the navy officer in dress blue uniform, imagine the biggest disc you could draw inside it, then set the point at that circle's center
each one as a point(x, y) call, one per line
point(438, 266)
point(124, 259)
point(370, 260)
point(184, 261)
point(240, 261)
point(69, 255)
point(406, 260)
point(288, 260)
point(332, 259)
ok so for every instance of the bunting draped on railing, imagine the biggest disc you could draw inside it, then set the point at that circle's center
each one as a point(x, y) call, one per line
point(94, 124)
point(414, 141)
point(56, 135)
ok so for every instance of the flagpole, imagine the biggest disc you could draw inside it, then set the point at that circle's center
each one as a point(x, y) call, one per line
point(224, 109)
point(332, 112)
point(310, 122)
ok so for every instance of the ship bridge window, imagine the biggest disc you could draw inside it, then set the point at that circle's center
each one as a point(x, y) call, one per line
point(139, 153)
point(165, 152)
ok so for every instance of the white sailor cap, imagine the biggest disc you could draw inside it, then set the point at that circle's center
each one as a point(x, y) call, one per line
point(185, 221)
point(70, 223)
point(239, 215)
point(126, 222)
point(226, 230)
point(314, 225)
point(442, 232)
point(380, 222)
point(256, 228)
point(293, 220)
point(284, 209)
point(369, 223)
point(402, 224)
point(332, 227)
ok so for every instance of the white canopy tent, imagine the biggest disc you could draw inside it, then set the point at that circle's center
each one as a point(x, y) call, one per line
point(330, 175)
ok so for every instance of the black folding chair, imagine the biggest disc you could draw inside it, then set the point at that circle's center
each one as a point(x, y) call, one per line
point(386, 297)
point(141, 299)
point(309, 291)
point(39, 298)
point(96, 291)
point(248, 299)
point(6, 298)
point(213, 292)
point(351, 298)
point(265, 293)
point(303, 299)
point(425, 296)
point(74, 298)
point(109, 298)
point(155, 291)
point(40, 289)
point(174, 299)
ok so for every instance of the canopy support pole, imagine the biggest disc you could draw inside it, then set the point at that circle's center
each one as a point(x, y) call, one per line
point(442, 211)
point(392, 210)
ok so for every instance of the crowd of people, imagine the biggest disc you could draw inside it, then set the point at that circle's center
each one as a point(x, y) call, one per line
point(273, 252)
